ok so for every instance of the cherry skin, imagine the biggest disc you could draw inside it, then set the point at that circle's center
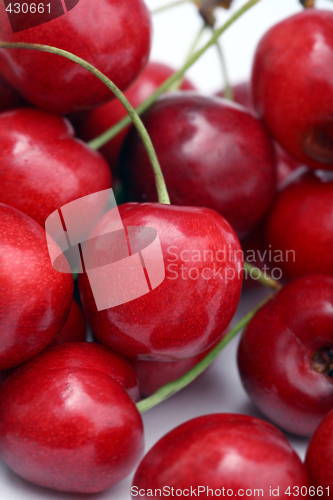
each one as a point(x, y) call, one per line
point(319, 456)
point(221, 451)
point(69, 426)
point(213, 154)
point(90, 356)
point(42, 165)
point(74, 329)
point(301, 222)
point(298, 107)
point(191, 308)
point(111, 35)
point(284, 356)
point(35, 300)
point(242, 94)
point(9, 98)
point(96, 121)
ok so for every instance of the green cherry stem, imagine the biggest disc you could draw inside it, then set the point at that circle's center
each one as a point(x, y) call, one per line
point(262, 277)
point(228, 92)
point(163, 196)
point(170, 5)
point(100, 141)
point(172, 388)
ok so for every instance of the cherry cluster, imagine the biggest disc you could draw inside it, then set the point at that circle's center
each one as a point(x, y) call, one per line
point(247, 177)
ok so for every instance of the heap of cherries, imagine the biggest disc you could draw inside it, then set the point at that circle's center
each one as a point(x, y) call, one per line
point(254, 173)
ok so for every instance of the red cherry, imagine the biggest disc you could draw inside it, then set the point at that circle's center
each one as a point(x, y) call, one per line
point(67, 424)
point(74, 329)
point(233, 452)
point(189, 311)
point(35, 299)
point(9, 98)
point(93, 123)
point(213, 154)
point(319, 458)
point(111, 35)
point(285, 163)
point(155, 374)
point(285, 354)
point(293, 88)
point(299, 227)
point(42, 166)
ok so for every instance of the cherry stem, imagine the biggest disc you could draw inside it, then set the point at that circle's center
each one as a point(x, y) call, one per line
point(163, 196)
point(194, 45)
point(228, 92)
point(172, 388)
point(170, 5)
point(100, 141)
point(262, 277)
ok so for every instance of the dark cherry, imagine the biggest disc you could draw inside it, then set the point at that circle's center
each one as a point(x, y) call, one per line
point(42, 165)
point(93, 123)
point(35, 300)
point(66, 421)
point(298, 107)
point(111, 35)
point(213, 154)
point(285, 356)
point(74, 329)
point(299, 226)
point(242, 94)
point(191, 308)
point(225, 453)
point(9, 98)
point(319, 458)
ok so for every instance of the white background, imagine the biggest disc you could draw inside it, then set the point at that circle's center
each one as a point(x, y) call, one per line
point(219, 389)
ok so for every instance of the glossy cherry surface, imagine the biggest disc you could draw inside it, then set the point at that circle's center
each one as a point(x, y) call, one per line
point(111, 35)
point(233, 452)
point(35, 300)
point(69, 425)
point(298, 107)
point(319, 457)
point(42, 165)
point(9, 98)
point(74, 329)
point(212, 153)
point(299, 226)
point(242, 94)
point(285, 354)
point(189, 311)
point(96, 121)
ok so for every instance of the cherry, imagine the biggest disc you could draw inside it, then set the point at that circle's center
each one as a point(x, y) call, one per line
point(188, 312)
point(299, 230)
point(212, 153)
point(74, 328)
point(284, 356)
point(67, 423)
point(242, 94)
point(42, 166)
point(9, 98)
point(319, 457)
point(293, 88)
point(35, 299)
point(111, 35)
point(222, 452)
point(93, 123)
